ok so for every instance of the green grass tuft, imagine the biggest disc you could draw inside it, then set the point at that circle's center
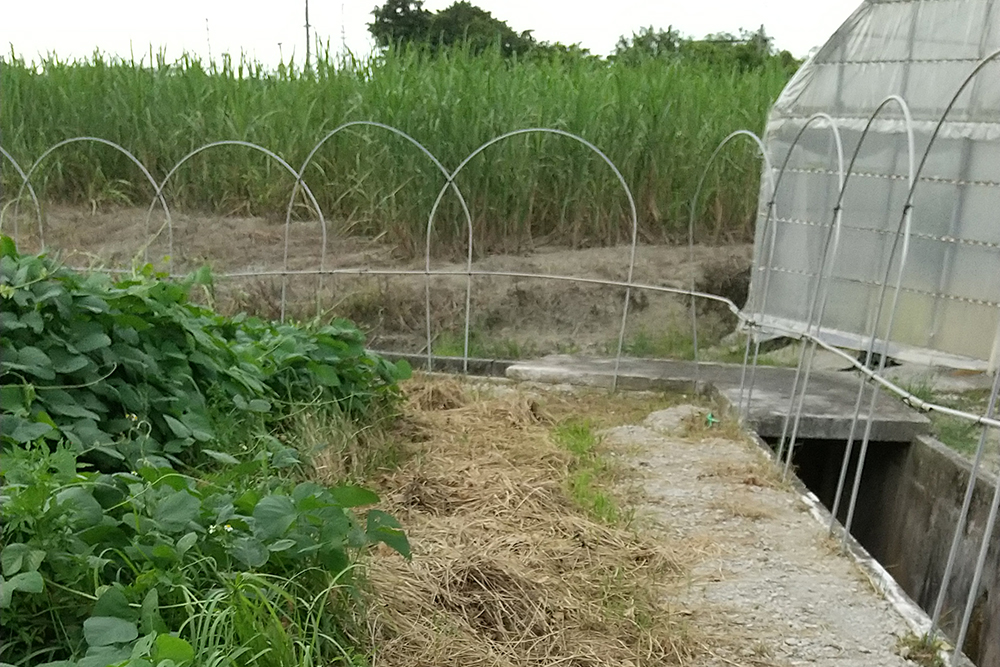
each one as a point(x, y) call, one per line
point(590, 472)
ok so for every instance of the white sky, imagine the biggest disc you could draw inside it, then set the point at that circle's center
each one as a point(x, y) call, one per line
point(73, 28)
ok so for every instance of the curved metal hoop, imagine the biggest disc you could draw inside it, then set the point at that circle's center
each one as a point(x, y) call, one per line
point(123, 151)
point(992, 520)
point(769, 175)
point(444, 172)
point(903, 231)
point(34, 199)
point(832, 235)
point(271, 154)
point(808, 357)
point(632, 209)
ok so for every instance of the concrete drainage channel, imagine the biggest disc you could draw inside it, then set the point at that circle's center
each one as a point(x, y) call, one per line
point(910, 498)
point(911, 491)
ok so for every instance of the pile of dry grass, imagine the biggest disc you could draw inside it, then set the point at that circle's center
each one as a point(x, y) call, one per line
point(506, 569)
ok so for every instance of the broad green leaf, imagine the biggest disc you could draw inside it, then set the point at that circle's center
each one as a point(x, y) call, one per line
point(273, 515)
point(83, 508)
point(259, 405)
point(73, 410)
point(176, 511)
point(203, 276)
point(33, 319)
point(353, 496)
point(106, 656)
point(169, 647)
point(325, 375)
point(92, 303)
point(221, 457)
point(7, 247)
point(403, 370)
point(91, 342)
point(285, 457)
point(14, 396)
point(179, 429)
point(149, 613)
point(27, 431)
point(26, 582)
point(107, 630)
point(113, 603)
point(199, 425)
point(32, 360)
point(43, 418)
point(165, 552)
point(249, 551)
point(12, 557)
point(281, 545)
point(33, 560)
point(141, 649)
point(65, 362)
point(186, 542)
point(384, 528)
point(17, 557)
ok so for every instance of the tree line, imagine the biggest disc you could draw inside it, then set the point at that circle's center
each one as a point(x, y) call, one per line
point(462, 24)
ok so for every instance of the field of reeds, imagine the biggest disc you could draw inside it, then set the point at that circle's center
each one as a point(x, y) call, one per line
point(658, 121)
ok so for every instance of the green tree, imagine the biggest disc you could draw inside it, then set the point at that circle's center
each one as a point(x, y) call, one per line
point(648, 43)
point(462, 23)
point(747, 51)
point(400, 21)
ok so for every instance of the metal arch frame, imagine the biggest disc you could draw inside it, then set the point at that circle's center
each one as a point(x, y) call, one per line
point(833, 234)
point(769, 173)
point(987, 421)
point(269, 153)
point(904, 229)
point(904, 224)
point(822, 293)
point(995, 504)
point(34, 198)
point(437, 163)
point(468, 307)
point(118, 147)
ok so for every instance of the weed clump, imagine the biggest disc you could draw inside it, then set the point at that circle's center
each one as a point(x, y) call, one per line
point(154, 499)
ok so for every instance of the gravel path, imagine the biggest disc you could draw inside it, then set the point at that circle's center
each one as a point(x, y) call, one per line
point(764, 569)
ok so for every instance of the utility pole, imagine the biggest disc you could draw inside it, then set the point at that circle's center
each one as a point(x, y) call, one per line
point(343, 32)
point(307, 35)
point(208, 41)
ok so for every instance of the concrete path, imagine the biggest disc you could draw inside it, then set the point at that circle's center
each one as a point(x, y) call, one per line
point(827, 411)
point(765, 575)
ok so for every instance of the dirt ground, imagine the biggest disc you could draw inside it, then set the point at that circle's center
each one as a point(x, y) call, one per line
point(510, 317)
point(711, 562)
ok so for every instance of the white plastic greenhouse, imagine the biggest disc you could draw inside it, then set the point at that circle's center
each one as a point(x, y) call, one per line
point(924, 52)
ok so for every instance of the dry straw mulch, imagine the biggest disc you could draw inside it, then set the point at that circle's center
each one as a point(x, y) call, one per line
point(507, 570)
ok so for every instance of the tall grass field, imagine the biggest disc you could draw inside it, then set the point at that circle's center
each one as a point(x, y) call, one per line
point(657, 121)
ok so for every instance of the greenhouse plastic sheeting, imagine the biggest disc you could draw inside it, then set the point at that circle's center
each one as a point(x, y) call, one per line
point(949, 306)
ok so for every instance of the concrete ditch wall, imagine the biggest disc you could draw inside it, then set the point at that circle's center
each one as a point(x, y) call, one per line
point(913, 496)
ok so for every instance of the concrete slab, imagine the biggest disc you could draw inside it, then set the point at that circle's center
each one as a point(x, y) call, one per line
point(827, 410)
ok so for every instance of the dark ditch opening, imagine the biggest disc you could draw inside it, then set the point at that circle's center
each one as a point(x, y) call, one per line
point(817, 463)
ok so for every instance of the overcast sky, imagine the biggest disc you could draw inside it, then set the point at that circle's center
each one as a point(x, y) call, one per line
point(73, 28)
